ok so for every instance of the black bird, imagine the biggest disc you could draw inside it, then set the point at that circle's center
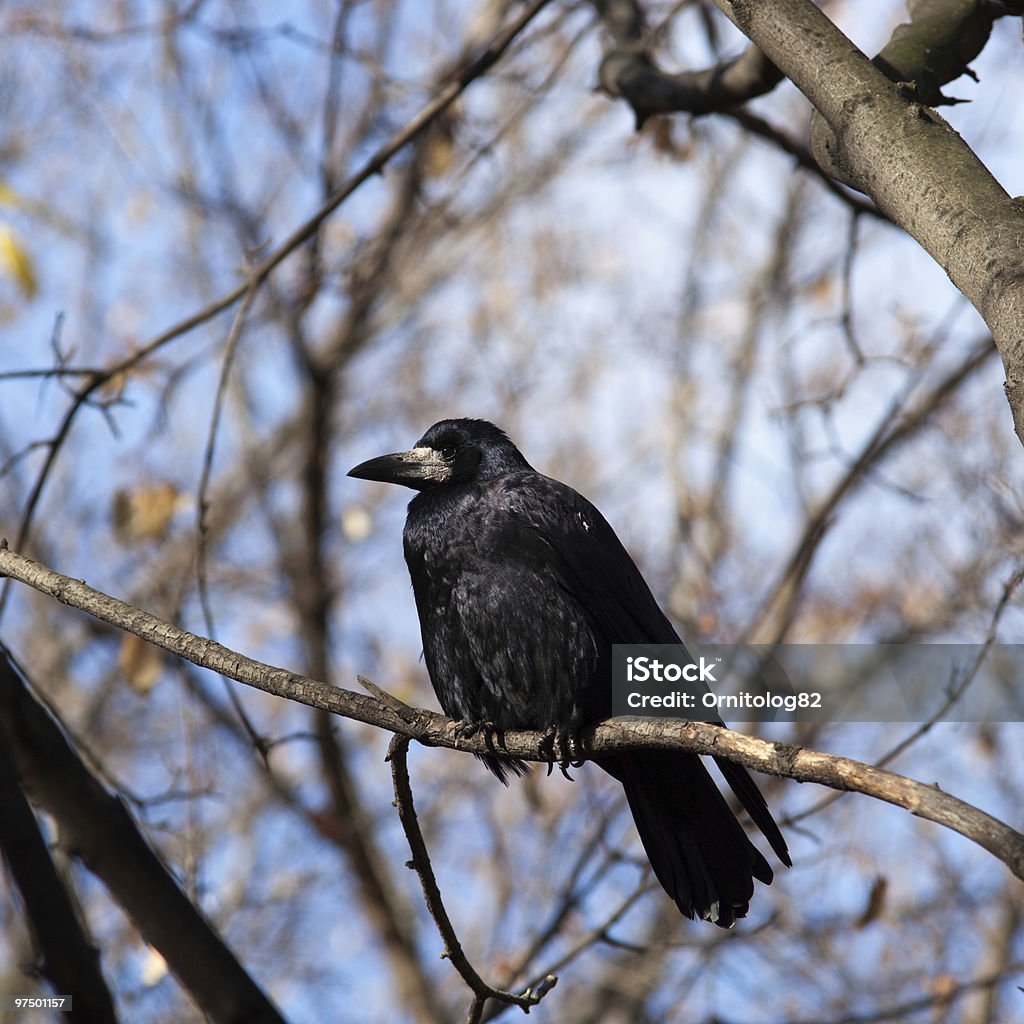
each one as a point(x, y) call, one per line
point(522, 587)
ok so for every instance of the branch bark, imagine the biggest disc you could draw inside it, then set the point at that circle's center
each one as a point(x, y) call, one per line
point(785, 760)
point(68, 959)
point(95, 826)
point(915, 167)
point(629, 72)
point(936, 44)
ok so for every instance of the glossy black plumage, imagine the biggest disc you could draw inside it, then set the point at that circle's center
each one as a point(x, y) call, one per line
point(522, 587)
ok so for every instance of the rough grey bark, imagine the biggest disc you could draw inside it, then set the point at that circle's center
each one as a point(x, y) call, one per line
point(936, 44)
point(917, 169)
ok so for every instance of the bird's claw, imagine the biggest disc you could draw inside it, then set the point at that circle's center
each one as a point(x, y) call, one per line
point(465, 730)
point(558, 746)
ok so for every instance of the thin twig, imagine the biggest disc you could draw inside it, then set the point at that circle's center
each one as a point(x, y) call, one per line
point(802, 155)
point(389, 700)
point(202, 504)
point(846, 320)
point(940, 1003)
point(420, 863)
point(779, 607)
point(599, 934)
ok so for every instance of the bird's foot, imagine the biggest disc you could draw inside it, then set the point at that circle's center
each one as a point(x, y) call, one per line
point(464, 730)
point(558, 746)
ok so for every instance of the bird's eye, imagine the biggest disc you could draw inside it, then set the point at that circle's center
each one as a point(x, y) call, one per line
point(448, 451)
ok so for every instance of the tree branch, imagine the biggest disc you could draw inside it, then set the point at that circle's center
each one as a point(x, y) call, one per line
point(446, 95)
point(629, 72)
point(615, 736)
point(919, 172)
point(779, 606)
point(420, 863)
point(68, 959)
point(96, 827)
point(934, 47)
point(937, 44)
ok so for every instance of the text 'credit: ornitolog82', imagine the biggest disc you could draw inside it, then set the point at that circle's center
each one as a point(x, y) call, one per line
point(820, 682)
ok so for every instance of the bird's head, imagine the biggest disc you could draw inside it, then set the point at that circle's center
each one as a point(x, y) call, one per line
point(451, 451)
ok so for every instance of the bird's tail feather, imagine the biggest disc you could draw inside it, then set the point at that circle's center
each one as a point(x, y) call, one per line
point(504, 767)
point(698, 850)
point(753, 802)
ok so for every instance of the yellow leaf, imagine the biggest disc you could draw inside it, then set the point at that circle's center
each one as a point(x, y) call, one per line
point(145, 512)
point(439, 147)
point(17, 263)
point(140, 663)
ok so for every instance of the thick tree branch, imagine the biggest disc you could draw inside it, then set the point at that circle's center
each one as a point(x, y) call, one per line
point(780, 759)
point(634, 77)
point(68, 960)
point(937, 44)
point(96, 827)
point(934, 47)
point(918, 171)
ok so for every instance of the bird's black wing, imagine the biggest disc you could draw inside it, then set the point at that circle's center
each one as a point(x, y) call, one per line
point(547, 522)
point(552, 523)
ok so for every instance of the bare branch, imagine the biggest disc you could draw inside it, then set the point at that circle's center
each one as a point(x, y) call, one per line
point(779, 607)
point(202, 500)
point(954, 691)
point(420, 863)
point(97, 827)
point(940, 1002)
point(446, 95)
point(780, 759)
point(68, 959)
point(919, 171)
point(629, 72)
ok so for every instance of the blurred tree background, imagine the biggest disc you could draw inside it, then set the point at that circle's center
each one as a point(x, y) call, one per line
point(790, 415)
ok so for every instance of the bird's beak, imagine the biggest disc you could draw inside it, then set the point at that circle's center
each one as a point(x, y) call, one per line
point(417, 468)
